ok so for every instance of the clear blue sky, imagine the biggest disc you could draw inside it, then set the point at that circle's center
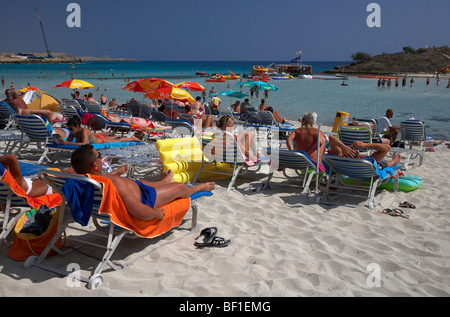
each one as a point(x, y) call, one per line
point(235, 30)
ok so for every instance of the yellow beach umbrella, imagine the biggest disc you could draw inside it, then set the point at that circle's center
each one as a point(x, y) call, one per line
point(75, 84)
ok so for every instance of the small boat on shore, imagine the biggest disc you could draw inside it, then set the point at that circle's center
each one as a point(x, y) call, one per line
point(216, 78)
point(231, 76)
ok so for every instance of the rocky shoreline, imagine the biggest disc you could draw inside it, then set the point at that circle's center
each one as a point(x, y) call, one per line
point(58, 58)
point(422, 62)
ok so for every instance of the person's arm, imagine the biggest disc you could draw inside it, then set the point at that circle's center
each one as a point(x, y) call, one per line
point(339, 148)
point(290, 141)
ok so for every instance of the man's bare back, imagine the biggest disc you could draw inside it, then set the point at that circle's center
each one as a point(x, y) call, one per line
point(305, 140)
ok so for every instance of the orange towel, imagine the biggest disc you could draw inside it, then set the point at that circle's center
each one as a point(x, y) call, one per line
point(112, 204)
point(51, 200)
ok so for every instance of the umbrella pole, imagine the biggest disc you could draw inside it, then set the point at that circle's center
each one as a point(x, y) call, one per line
point(318, 159)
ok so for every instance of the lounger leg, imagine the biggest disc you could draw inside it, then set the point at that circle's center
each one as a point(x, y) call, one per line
point(235, 175)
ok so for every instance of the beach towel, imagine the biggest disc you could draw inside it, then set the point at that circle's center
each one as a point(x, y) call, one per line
point(112, 204)
point(51, 200)
point(80, 198)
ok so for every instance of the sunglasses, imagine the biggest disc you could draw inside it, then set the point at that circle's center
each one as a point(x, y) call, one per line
point(98, 157)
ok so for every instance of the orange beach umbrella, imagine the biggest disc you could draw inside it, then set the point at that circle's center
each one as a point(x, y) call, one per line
point(190, 85)
point(75, 84)
point(148, 84)
point(170, 93)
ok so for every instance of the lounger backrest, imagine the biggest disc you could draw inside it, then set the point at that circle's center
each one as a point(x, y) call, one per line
point(412, 130)
point(354, 168)
point(70, 111)
point(135, 108)
point(93, 107)
point(182, 127)
point(57, 180)
point(159, 116)
point(267, 118)
point(349, 134)
point(298, 160)
point(224, 148)
point(35, 128)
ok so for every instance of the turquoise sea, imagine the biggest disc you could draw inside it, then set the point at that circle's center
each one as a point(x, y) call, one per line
point(361, 98)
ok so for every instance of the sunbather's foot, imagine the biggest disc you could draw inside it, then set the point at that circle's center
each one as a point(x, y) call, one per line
point(395, 160)
point(122, 170)
point(206, 187)
point(169, 177)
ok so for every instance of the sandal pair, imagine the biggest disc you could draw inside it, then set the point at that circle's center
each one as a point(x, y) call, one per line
point(210, 239)
point(394, 213)
point(407, 205)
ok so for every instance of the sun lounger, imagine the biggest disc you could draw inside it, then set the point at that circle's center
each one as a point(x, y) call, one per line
point(101, 202)
point(350, 176)
point(225, 155)
point(299, 161)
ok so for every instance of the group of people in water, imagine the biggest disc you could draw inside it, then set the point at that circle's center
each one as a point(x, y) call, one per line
point(387, 82)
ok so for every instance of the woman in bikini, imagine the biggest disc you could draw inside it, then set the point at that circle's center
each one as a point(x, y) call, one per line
point(84, 135)
point(245, 138)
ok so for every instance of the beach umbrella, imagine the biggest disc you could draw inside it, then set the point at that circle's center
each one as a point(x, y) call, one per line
point(75, 84)
point(261, 84)
point(231, 93)
point(147, 84)
point(170, 93)
point(190, 86)
point(27, 89)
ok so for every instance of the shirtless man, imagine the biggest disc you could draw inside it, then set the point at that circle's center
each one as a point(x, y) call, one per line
point(305, 137)
point(380, 150)
point(20, 107)
point(142, 199)
point(85, 136)
point(15, 101)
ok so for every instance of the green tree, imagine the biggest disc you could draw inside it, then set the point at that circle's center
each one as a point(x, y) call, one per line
point(361, 57)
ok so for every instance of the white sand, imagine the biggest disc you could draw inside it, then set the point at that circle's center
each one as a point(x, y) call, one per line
point(282, 245)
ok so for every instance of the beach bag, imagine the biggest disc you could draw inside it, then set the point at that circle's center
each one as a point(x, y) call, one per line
point(26, 244)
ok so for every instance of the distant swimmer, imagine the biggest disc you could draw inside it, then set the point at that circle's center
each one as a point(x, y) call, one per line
point(344, 84)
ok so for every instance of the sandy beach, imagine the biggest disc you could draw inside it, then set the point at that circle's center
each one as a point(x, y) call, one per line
point(283, 244)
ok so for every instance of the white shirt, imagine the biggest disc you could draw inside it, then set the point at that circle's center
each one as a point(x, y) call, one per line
point(383, 124)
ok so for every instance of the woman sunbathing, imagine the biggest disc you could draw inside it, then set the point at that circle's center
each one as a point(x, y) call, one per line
point(84, 135)
point(245, 139)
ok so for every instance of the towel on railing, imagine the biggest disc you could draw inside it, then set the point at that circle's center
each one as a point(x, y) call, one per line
point(80, 198)
point(112, 204)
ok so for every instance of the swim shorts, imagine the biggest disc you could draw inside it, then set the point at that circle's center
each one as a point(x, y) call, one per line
point(101, 137)
point(148, 194)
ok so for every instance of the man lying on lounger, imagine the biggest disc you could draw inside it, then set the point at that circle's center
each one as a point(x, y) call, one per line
point(380, 150)
point(142, 199)
point(84, 135)
point(36, 187)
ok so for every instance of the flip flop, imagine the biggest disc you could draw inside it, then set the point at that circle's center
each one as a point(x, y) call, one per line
point(216, 242)
point(407, 205)
point(208, 234)
point(394, 213)
point(401, 213)
point(389, 212)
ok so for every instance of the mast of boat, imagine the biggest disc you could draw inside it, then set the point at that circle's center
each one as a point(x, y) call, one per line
point(43, 34)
